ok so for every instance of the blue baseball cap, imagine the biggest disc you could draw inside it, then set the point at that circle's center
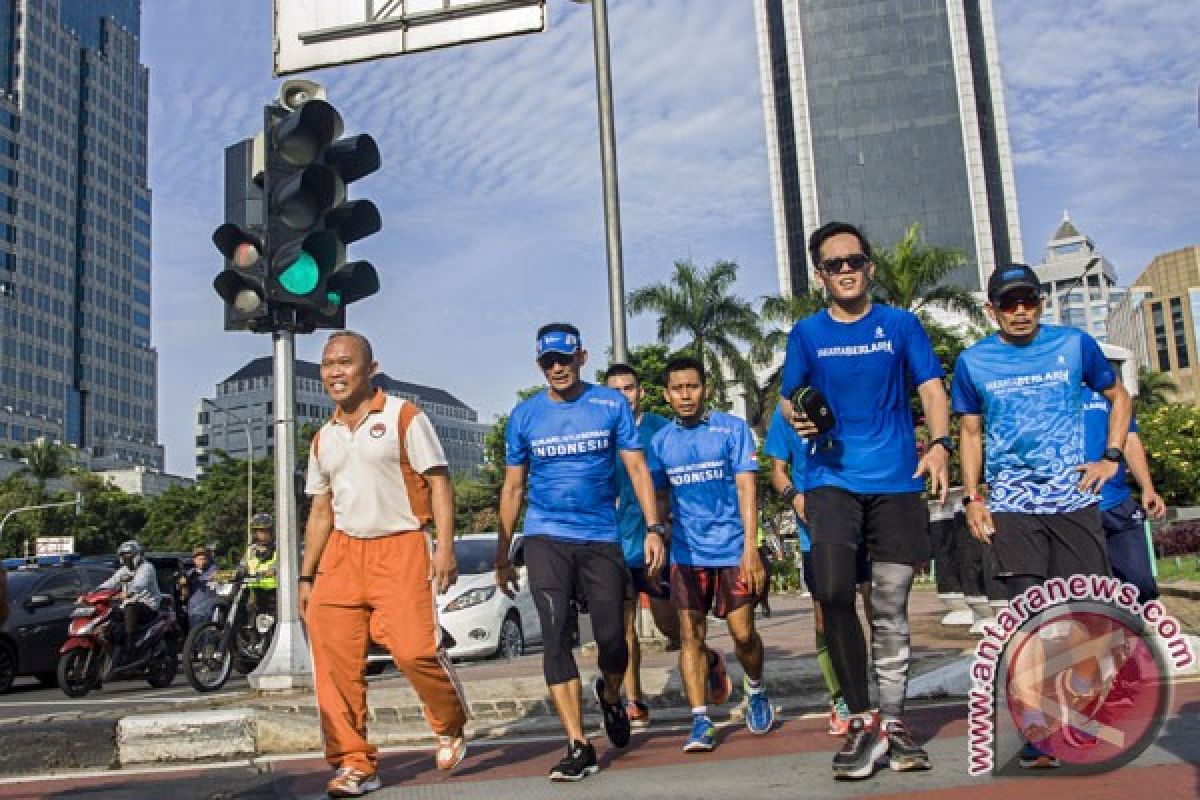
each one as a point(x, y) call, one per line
point(1012, 276)
point(558, 342)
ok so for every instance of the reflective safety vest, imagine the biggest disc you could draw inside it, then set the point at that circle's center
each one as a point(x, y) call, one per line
point(256, 567)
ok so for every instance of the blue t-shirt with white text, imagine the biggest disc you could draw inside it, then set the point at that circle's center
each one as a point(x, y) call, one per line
point(699, 466)
point(1095, 426)
point(784, 444)
point(1032, 407)
point(630, 519)
point(571, 450)
point(866, 370)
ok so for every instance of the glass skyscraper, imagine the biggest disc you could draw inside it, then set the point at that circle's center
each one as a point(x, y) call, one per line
point(884, 113)
point(77, 364)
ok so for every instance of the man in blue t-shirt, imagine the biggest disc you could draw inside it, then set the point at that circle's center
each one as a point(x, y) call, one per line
point(789, 454)
point(632, 524)
point(1021, 389)
point(1121, 516)
point(564, 442)
point(704, 463)
point(864, 483)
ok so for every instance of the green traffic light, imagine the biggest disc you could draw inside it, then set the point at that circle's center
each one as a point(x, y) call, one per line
point(302, 276)
point(334, 298)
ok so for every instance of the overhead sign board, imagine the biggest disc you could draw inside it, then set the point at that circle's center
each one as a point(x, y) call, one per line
point(54, 545)
point(311, 34)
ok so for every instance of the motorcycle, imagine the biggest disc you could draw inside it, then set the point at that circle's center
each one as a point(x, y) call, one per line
point(86, 659)
point(230, 640)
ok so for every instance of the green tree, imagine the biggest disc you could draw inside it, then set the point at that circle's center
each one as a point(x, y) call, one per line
point(17, 492)
point(1170, 434)
point(110, 516)
point(1154, 389)
point(648, 361)
point(913, 275)
point(44, 461)
point(779, 314)
point(716, 325)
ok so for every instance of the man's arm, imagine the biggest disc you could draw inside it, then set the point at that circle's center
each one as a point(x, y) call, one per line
point(936, 460)
point(970, 451)
point(1135, 459)
point(752, 571)
point(781, 481)
point(643, 488)
point(511, 495)
point(444, 567)
point(316, 534)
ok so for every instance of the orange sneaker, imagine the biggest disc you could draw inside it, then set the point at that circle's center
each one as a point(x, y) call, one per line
point(351, 782)
point(638, 713)
point(451, 750)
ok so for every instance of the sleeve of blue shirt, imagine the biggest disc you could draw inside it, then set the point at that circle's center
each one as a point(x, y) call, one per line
point(516, 444)
point(776, 443)
point(1133, 426)
point(1097, 373)
point(744, 453)
point(923, 364)
point(654, 461)
point(795, 363)
point(964, 397)
point(627, 433)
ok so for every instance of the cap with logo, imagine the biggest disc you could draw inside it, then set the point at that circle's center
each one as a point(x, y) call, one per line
point(1009, 277)
point(557, 342)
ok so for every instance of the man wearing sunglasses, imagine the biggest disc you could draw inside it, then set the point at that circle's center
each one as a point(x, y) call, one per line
point(1022, 388)
point(864, 484)
point(564, 442)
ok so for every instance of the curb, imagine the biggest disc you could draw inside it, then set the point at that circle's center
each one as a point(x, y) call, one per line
point(43, 747)
point(1179, 590)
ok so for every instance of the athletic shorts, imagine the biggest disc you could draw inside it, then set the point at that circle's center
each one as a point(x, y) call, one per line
point(894, 527)
point(862, 568)
point(1049, 545)
point(639, 583)
point(716, 589)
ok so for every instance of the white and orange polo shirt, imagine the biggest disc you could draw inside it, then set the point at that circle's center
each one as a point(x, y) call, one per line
point(375, 471)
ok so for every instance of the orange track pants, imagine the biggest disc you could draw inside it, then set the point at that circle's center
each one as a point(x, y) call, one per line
point(376, 589)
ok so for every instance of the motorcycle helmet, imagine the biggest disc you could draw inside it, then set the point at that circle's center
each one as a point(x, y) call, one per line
point(130, 554)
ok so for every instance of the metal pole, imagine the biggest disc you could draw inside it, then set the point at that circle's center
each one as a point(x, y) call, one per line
point(608, 161)
point(287, 665)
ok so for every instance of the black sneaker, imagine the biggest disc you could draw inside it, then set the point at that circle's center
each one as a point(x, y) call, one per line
point(616, 721)
point(577, 764)
point(904, 753)
point(861, 749)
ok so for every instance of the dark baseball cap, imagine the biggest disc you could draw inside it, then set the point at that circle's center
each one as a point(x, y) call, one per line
point(1009, 277)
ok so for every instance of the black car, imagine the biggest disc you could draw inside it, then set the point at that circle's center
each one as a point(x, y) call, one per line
point(40, 601)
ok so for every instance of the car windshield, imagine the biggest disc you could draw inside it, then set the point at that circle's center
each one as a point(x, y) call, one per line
point(476, 555)
point(20, 582)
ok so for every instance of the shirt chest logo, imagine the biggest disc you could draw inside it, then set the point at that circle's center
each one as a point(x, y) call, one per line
point(879, 334)
point(378, 430)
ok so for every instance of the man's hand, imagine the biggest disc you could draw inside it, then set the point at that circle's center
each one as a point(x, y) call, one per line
point(799, 508)
point(803, 425)
point(656, 553)
point(752, 572)
point(1153, 503)
point(979, 521)
point(506, 579)
point(443, 570)
point(1096, 474)
point(935, 464)
point(302, 595)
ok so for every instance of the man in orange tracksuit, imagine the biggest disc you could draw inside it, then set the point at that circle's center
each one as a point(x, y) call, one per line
point(378, 477)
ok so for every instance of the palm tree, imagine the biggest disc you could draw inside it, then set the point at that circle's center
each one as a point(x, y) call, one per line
point(1154, 388)
point(780, 313)
point(45, 461)
point(910, 275)
point(698, 305)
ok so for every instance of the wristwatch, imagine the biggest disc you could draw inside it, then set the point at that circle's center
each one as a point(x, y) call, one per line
point(306, 579)
point(1114, 455)
point(658, 528)
point(971, 498)
point(946, 442)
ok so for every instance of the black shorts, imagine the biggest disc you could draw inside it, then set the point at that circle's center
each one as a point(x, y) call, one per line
point(639, 583)
point(716, 589)
point(862, 568)
point(1049, 545)
point(591, 572)
point(894, 527)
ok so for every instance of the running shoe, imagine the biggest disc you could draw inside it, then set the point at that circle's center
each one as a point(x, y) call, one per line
point(351, 782)
point(760, 714)
point(861, 749)
point(1032, 757)
point(719, 684)
point(577, 764)
point(904, 754)
point(450, 751)
point(616, 724)
point(638, 714)
point(839, 717)
point(703, 737)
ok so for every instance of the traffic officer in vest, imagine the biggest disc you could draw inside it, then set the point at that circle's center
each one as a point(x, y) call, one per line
point(262, 565)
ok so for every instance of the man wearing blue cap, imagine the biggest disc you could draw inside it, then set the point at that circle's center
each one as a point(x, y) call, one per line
point(563, 442)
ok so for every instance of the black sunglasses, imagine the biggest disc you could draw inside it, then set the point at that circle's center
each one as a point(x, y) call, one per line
point(1010, 301)
point(855, 262)
point(555, 360)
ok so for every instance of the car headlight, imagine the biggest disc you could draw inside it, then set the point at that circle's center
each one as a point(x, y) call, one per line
point(472, 598)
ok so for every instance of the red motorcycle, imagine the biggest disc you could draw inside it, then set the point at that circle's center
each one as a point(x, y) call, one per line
point(86, 658)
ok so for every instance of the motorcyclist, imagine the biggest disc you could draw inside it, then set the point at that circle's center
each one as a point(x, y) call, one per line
point(197, 587)
point(140, 596)
point(262, 565)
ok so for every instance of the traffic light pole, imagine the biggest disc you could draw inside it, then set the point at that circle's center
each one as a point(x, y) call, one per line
point(288, 664)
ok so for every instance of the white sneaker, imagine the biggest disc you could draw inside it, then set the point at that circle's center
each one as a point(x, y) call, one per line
point(964, 616)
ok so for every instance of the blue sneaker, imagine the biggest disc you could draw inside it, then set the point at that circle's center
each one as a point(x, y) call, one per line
point(760, 714)
point(704, 735)
point(1033, 757)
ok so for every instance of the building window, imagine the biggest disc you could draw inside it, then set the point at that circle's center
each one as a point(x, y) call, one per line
point(1160, 337)
point(1177, 324)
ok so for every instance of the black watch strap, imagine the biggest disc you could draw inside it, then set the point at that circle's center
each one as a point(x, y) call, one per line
point(658, 528)
point(1114, 455)
point(946, 442)
point(306, 578)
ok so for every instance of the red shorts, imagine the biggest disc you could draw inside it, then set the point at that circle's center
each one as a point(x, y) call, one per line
point(704, 589)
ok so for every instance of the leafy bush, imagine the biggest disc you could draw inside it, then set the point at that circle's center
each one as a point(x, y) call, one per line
point(1171, 436)
point(1180, 539)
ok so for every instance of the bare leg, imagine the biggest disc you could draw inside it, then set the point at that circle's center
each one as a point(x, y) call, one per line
point(568, 701)
point(633, 676)
point(747, 644)
point(693, 656)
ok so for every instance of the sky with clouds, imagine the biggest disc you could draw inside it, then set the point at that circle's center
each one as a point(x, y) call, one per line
point(490, 190)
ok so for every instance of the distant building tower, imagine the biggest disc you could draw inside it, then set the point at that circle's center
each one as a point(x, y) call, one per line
point(1080, 284)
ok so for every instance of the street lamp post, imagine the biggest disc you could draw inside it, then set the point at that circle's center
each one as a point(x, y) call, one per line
point(246, 429)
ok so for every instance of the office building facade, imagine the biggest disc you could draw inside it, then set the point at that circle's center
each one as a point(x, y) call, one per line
point(77, 364)
point(1079, 283)
point(244, 403)
point(887, 113)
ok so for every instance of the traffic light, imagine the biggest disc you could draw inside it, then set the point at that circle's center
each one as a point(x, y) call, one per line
point(309, 220)
point(243, 282)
